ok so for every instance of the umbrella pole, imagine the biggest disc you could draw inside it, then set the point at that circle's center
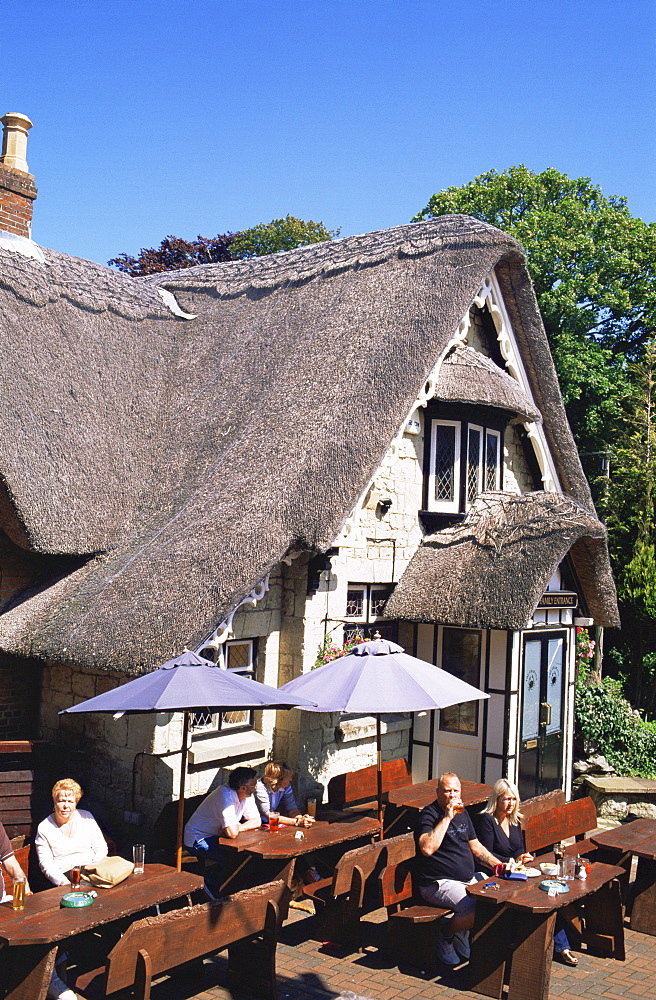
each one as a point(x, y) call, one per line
point(181, 798)
point(379, 761)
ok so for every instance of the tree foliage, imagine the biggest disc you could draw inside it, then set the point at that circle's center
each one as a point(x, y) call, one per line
point(175, 253)
point(277, 235)
point(593, 266)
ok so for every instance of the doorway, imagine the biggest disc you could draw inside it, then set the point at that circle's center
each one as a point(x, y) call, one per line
point(543, 702)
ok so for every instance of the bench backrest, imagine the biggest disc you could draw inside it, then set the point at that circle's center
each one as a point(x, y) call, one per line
point(359, 786)
point(396, 883)
point(182, 935)
point(371, 859)
point(541, 803)
point(573, 819)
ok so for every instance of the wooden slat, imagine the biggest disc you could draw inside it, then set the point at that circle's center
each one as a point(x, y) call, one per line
point(574, 819)
point(175, 938)
point(346, 789)
point(541, 803)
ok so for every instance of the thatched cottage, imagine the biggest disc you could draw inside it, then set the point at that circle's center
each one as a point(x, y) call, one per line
point(244, 458)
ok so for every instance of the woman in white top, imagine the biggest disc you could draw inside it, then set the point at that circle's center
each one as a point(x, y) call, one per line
point(69, 837)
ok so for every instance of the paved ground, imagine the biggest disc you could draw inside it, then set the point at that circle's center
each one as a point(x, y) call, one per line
point(306, 969)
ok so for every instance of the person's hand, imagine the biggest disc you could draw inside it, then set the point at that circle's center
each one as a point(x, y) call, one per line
point(454, 808)
point(307, 820)
point(524, 859)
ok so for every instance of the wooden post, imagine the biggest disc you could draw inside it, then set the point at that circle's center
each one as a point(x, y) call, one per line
point(181, 799)
point(379, 759)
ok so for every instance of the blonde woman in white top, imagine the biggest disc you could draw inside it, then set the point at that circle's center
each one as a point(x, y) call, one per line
point(69, 837)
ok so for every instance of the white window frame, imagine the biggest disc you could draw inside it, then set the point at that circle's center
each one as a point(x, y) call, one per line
point(217, 723)
point(445, 506)
point(366, 618)
point(490, 432)
point(480, 431)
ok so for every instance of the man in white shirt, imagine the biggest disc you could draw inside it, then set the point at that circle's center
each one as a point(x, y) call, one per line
point(226, 812)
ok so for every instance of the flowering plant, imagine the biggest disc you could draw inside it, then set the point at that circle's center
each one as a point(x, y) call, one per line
point(328, 651)
point(585, 646)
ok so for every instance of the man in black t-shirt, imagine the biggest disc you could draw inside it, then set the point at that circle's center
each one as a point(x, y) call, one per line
point(448, 847)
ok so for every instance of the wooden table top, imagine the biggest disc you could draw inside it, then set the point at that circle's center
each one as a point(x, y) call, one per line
point(284, 844)
point(420, 795)
point(44, 921)
point(530, 897)
point(638, 837)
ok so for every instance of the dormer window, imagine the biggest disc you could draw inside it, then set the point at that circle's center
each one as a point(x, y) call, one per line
point(465, 459)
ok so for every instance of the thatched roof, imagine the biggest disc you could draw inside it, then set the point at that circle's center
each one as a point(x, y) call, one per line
point(185, 457)
point(466, 376)
point(468, 574)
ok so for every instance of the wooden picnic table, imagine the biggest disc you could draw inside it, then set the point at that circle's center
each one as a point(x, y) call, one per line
point(618, 846)
point(514, 926)
point(411, 799)
point(283, 845)
point(31, 936)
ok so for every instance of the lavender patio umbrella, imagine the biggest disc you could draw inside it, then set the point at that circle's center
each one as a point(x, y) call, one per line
point(184, 684)
point(378, 677)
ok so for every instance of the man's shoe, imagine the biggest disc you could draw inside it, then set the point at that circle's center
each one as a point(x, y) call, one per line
point(311, 875)
point(446, 952)
point(58, 990)
point(461, 944)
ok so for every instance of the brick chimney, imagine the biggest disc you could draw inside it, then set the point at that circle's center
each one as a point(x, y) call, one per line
point(17, 190)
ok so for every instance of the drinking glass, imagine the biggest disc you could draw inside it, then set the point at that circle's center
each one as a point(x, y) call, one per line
point(274, 821)
point(138, 856)
point(312, 808)
point(459, 808)
point(18, 889)
point(76, 875)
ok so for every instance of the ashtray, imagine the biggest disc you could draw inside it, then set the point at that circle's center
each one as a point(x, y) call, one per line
point(76, 899)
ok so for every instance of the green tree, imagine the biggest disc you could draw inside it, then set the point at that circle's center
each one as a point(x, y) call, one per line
point(277, 235)
point(627, 504)
point(593, 266)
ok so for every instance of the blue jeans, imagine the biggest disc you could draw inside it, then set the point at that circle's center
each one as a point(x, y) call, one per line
point(209, 849)
point(561, 941)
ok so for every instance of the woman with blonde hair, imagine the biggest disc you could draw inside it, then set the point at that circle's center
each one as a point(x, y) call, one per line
point(274, 792)
point(69, 837)
point(498, 825)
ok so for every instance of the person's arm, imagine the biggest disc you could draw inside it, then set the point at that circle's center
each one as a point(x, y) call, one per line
point(48, 863)
point(522, 855)
point(14, 870)
point(431, 840)
point(97, 842)
point(483, 854)
point(484, 825)
point(250, 819)
point(261, 797)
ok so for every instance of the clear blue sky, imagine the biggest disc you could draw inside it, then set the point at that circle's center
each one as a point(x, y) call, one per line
point(202, 116)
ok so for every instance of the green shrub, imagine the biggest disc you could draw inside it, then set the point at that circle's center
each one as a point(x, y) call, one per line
point(605, 718)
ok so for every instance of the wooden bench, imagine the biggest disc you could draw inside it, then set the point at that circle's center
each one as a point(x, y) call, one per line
point(412, 929)
point(247, 924)
point(358, 790)
point(573, 819)
point(341, 900)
